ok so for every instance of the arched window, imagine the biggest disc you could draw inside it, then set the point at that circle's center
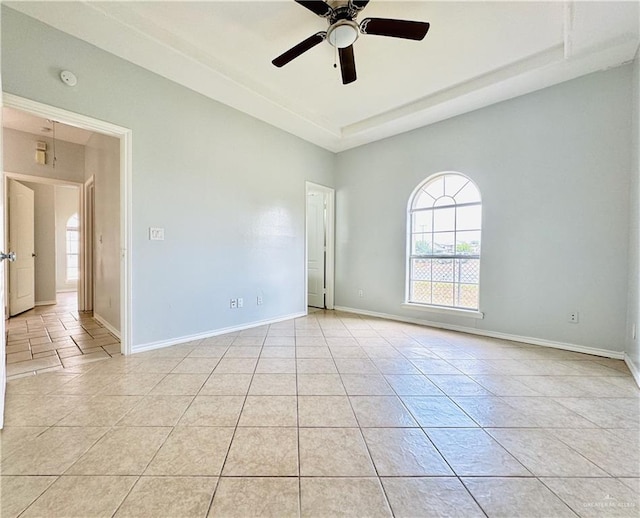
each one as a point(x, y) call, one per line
point(73, 247)
point(445, 221)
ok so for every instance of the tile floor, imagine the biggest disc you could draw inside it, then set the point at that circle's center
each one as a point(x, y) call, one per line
point(54, 337)
point(327, 415)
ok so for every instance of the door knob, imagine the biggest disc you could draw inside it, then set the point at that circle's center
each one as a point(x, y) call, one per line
point(11, 256)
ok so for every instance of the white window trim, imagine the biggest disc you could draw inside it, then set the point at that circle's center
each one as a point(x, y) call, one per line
point(458, 312)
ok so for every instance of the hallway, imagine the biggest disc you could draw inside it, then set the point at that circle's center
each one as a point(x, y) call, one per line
point(56, 337)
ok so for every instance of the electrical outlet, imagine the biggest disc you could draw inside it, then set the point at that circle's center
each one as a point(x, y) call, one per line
point(155, 234)
point(233, 303)
point(240, 303)
point(259, 300)
point(360, 293)
point(573, 317)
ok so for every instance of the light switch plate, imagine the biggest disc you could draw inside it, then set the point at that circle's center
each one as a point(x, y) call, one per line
point(156, 234)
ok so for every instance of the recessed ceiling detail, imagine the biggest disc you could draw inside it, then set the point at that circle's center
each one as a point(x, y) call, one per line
point(475, 54)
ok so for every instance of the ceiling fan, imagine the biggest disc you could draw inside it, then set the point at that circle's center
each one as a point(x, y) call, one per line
point(343, 31)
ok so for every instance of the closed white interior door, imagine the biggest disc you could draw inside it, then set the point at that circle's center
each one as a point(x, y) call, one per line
point(22, 242)
point(316, 249)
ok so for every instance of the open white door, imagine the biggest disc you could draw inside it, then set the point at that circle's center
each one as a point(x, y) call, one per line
point(316, 239)
point(22, 296)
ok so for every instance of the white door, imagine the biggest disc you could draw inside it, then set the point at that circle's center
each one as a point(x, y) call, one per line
point(315, 249)
point(22, 242)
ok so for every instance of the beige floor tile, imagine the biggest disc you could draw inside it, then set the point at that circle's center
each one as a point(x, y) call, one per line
point(458, 385)
point(132, 384)
point(192, 451)
point(280, 341)
point(543, 454)
point(32, 365)
point(348, 352)
point(17, 493)
point(183, 497)
point(438, 497)
point(38, 410)
point(347, 497)
point(157, 411)
point(269, 411)
point(226, 385)
point(85, 358)
point(316, 366)
point(276, 366)
point(509, 497)
point(273, 385)
point(100, 411)
point(41, 384)
point(85, 384)
point(278, 352)
point(180, 385)
point(404, 452)
point(366, 385)
point(325, 411)
point(320, 385)
point(264, 497)
point(208, 351)
point(305, 352)
point(12, 438)
point(259, 452)
point(196, 366)
point(490, 411)
point(52, 452)
point(334, 452)
point(243, 352)
point(596, 497)
point(82, 496)
point(236, 366)
point(412, 385)
point(213, 411)
point(381, 411)
point(472, 452)
point(122, 451)
point(156, 365)
point(355, 366)
point(430, 366)
point(18, 356)
point(606, 412)
point(244, 341)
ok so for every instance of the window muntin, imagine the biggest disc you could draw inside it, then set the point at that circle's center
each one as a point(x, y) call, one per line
point(445, 223)
point(73, 247)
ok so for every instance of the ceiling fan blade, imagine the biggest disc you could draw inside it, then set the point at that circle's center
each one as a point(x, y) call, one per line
point(316, 6)
point(299, 49)
point(347, 65)
point(407, 29)
point(358, 5)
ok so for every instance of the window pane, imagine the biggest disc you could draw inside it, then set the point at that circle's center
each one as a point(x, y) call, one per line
point(467, 296)
point(444, 219)
point(421, 292)
point(436, 187)
point(442, 270)
point(72, 261)
point(422, 244)
point(444, 201)
point(468, 243)
point(453, 183)
point(421, 269)
point(443, 243)
point(469, 218)
point(467, 271)
point(73, 247)
point(422, 201)
point(422, 221)
point(468, 194)
point(442, 293)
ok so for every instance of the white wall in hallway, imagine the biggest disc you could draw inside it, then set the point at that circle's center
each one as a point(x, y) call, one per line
point(553, 168)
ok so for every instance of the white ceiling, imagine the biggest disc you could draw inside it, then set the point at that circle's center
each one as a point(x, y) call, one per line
point(21, 121)
point(475, 54)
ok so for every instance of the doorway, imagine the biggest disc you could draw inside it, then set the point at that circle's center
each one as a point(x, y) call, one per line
point(320, 218)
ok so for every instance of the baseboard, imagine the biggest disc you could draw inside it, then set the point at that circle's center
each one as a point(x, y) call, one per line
point(107, 325)
point(632, 367)
point(492, 334)
point(46, 302)
point(70, 290)
point(208, 334)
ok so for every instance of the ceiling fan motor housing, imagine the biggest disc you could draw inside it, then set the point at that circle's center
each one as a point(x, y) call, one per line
point(343, 33)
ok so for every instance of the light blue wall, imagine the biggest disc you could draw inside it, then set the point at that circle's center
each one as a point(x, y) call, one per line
point(553, 168)
point(228, 190)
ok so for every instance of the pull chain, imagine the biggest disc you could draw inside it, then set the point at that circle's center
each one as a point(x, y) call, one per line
point(335, 57)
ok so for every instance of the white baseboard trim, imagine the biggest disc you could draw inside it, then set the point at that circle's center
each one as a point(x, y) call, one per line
point(65, 290)
point(208, 334)
point(632, 367)
point(107, 325)
point(46, 302)
point(618, 355)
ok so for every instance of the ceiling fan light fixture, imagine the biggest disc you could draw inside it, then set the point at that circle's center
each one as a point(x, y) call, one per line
point(343, 34)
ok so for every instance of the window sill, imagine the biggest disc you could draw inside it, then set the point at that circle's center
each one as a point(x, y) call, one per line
point(469, 313)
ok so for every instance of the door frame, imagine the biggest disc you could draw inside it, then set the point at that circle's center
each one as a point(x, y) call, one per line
point(330, 240)
point(126, 172)
point(21, 177)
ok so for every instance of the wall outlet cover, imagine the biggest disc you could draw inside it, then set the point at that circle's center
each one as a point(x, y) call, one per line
point(156, 234)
